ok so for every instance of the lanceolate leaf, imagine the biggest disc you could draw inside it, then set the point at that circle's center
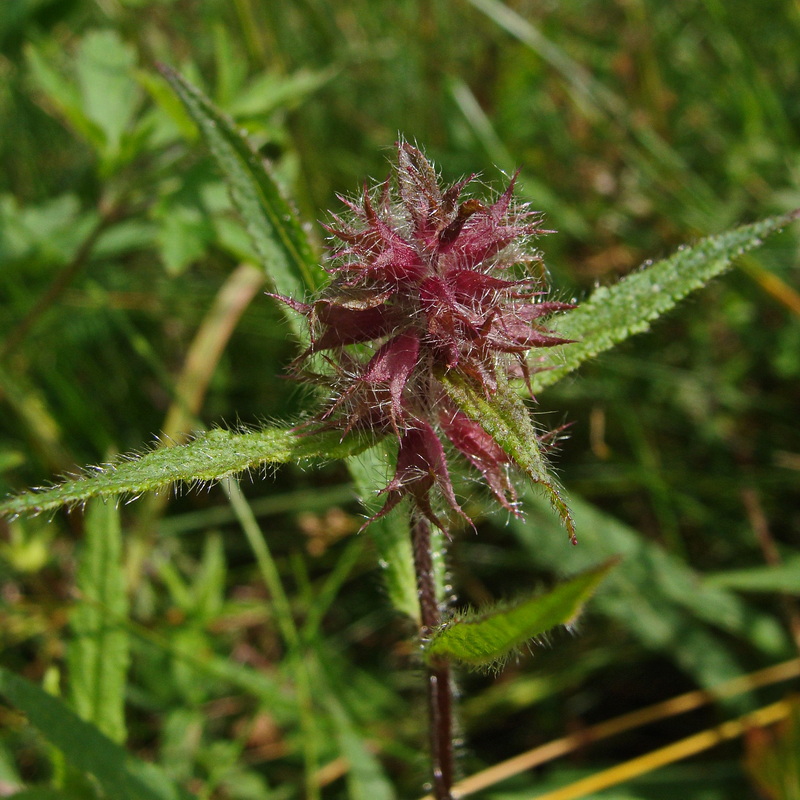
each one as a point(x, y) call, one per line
point(271, 222)
point(98, 653)
point(658, 598)
point(213, 455)
point(505, 418)
point(85, 748)
point(613, 313)
point(485, 639)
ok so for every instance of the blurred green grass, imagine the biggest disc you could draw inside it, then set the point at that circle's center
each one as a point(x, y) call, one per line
point(638, 126)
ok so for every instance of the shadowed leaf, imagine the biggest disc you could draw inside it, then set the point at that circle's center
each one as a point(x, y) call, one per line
point(85, 748)
point(390, 533)
point(664, 603)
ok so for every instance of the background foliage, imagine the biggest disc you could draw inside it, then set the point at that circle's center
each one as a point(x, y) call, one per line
point(129, 310)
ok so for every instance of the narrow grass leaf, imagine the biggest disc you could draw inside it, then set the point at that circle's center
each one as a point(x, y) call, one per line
point(613, 313)
point(783, 578)
point(272, 223)
point(85, 748)
point(484, 639)
point(365, 777)
point(505, 417)
point(98, 653)
point(211, 456)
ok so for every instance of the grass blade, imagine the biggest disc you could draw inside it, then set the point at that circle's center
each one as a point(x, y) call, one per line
point(784, 578)
point(120, 774)
point(98, 653)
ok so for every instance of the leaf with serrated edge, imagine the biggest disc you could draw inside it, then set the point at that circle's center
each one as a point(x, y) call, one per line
point(211, 456)
point(505, 418)
point(484, 639)
point(613, 313)
point(271, 222)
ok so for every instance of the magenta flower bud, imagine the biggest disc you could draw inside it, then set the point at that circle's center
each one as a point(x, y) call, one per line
point(423, 284)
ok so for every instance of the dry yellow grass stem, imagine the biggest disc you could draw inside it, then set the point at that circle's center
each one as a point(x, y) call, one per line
point(676, 705)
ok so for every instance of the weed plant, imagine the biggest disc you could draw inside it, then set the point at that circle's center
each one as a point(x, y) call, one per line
point(239, 639)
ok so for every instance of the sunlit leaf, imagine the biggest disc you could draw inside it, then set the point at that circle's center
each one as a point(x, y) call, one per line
point(211, 456)
point(504, 416)
point(613, 313)
point(273, 225)
point(109, 93)
point(485, 638)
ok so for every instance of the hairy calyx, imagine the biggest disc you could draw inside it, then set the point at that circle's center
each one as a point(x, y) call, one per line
point(422, 283)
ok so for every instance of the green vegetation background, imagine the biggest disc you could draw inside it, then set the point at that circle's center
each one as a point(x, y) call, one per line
point(638, 126)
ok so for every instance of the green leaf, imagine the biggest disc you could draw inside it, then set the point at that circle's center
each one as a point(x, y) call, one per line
point(664, 603)
point(277, 233)
point(784, 578)
point(613, 313)
point(484, 639)
point(184, 235)
point(110, 95)
point(98, 654)
point(390, 533)
point(366, 779)
point(211, 456)
point(43, 236)
point(85, 748)
point(504, 416)
point(270, 91)
point(62, 94)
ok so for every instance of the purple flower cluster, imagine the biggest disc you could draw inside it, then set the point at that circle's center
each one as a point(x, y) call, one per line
point(424, 283)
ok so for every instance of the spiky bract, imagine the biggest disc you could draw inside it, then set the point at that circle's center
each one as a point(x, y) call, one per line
point(424, 282)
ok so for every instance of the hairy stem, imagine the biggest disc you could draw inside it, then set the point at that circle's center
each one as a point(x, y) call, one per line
point(439, 688)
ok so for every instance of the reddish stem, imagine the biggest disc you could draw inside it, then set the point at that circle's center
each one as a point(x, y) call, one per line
point(439, 687)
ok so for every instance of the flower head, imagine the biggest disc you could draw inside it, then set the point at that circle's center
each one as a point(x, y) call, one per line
point(424, 283)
